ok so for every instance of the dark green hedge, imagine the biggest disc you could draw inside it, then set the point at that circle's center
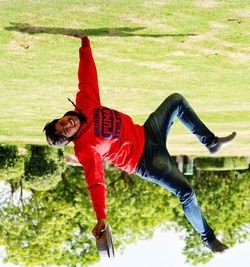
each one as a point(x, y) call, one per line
point(11, 163)
point(43, 167)
point(221, 163)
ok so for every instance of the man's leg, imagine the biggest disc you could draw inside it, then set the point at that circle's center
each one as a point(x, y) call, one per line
point(157, 166)
point(162, 170)
point(176, 105)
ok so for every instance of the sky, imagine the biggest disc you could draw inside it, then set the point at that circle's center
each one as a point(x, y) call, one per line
point(165, 250)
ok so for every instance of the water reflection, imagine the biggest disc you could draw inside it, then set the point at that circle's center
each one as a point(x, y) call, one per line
point(51, 219)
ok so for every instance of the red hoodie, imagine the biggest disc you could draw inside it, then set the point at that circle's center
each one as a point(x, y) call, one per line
point(107, 135)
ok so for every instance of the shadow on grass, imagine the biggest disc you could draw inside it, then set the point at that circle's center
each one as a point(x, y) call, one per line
point(120, 31)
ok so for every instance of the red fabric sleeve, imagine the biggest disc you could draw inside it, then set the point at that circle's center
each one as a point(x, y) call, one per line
point(87, 76)
point(94, 175)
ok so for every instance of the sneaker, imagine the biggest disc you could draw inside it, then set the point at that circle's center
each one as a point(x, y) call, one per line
point(221, 142)
point(216, 246)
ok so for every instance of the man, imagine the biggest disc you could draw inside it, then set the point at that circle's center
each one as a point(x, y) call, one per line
point(100, 133)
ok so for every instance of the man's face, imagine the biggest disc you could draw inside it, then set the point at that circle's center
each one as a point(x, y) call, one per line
point(68, 126)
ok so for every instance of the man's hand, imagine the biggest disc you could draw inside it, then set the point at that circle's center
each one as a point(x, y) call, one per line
point(98, 228)
point(76, 35)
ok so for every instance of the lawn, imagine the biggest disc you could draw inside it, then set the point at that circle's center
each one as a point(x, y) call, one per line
point(144, 51)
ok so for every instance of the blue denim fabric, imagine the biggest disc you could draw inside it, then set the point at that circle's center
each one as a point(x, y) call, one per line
point(157, 166)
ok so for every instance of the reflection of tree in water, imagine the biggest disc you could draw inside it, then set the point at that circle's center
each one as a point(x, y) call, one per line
point(54, 226)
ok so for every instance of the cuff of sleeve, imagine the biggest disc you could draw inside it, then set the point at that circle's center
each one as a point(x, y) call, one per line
point(85, 42)
point(101, 214)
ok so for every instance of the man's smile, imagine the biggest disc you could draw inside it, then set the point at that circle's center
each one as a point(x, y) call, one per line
point(68, 126)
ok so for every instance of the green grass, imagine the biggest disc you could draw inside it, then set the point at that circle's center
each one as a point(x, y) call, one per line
point(144, 51)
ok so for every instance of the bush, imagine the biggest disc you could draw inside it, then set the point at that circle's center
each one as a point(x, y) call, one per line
point(43, 167)
point(221, 163)
point(11, 163)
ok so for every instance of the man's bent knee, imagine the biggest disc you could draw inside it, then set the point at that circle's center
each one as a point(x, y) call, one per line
point(186, 196)
point(176, 96)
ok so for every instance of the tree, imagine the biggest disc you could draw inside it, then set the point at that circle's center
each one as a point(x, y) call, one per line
point(49, 228)
point(54, 227)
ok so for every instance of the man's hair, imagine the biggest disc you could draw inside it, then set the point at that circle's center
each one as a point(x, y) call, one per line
point(53, 138)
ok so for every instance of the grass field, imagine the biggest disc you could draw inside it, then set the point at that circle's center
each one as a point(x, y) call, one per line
point(144, 51)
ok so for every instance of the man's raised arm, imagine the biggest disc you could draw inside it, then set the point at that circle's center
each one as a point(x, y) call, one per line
point(87, 76)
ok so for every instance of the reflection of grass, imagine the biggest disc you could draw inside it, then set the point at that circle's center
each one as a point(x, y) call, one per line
point(143, 52)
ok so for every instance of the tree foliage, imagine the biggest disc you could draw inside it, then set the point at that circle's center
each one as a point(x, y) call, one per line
point(136, 207)
point(54, 227)
point(49, 228)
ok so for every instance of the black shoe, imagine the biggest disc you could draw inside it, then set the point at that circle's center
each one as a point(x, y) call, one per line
point(221, 142)
point(216, 246)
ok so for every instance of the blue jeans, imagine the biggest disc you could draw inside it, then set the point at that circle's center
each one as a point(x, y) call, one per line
point(157, 166)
